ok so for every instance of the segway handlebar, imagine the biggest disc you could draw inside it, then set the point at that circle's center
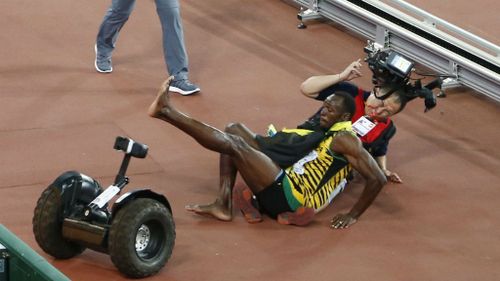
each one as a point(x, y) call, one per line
point(131, 147)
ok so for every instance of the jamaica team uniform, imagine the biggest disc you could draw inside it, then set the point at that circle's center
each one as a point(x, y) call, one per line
point(318, 177)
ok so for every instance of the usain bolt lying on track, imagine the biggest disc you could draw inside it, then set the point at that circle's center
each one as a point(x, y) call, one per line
point(282, 189)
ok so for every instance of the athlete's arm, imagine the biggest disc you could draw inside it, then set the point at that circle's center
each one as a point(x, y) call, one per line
point(351, 147)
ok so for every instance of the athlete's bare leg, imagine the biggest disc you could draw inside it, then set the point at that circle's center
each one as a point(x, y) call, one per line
point(228, 173)
point(257, 170)
point(222, 207)
point(161, 109)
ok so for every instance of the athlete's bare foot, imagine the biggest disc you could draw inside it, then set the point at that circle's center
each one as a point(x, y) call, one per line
point(216, 210)
point(162, 99)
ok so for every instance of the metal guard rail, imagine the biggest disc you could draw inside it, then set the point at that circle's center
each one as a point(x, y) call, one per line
point(418, 41)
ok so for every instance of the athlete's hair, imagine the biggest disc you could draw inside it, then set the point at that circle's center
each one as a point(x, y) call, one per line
point(348, 103)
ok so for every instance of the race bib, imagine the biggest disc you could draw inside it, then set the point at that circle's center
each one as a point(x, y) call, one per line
point(298, 167)
point(363, 126)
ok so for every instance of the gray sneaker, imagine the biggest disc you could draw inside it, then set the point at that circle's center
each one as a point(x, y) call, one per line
point(184, 87)
point(102, 63)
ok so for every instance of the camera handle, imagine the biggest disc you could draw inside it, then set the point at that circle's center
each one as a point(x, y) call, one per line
point(426, 93)
point(436, 83)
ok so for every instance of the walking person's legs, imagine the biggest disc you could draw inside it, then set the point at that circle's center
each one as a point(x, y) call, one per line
point(174, 49)
point(116, 16)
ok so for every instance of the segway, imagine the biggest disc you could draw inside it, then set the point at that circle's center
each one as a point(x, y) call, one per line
point(137, 231)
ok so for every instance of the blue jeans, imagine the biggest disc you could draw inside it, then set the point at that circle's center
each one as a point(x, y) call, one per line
point(173, 37)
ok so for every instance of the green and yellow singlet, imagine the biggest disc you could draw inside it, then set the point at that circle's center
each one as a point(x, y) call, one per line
point(317, 178)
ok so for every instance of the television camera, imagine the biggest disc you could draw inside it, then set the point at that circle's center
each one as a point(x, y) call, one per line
point(393, 70)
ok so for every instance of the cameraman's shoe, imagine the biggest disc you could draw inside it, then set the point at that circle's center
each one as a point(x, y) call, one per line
point(301, 217)
point(184, 87)
point(102, 63)
point(245, 201)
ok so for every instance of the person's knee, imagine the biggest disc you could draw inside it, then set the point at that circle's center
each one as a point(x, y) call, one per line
point(239, 129)
point(169, 6)
point(234, 128)
point(237, 143)
point(235, 140)
point(119, 13)
point(121, 9)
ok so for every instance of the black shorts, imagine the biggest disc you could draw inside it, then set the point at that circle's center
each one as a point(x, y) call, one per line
point(272, 200)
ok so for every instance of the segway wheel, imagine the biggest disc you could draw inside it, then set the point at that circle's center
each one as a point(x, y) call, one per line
point(47, 226)
point(141, 238)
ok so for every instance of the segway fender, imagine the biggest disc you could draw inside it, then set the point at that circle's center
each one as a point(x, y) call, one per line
point(140, 193)
point(76, 186)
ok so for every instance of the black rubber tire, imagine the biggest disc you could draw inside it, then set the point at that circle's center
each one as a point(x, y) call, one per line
point(47, 226)
point(122, 238)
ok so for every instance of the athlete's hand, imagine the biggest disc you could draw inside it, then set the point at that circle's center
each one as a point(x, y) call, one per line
point(342, 221)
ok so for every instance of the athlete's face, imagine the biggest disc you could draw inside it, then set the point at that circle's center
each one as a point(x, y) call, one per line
point(332, 112)
point(381, 109)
